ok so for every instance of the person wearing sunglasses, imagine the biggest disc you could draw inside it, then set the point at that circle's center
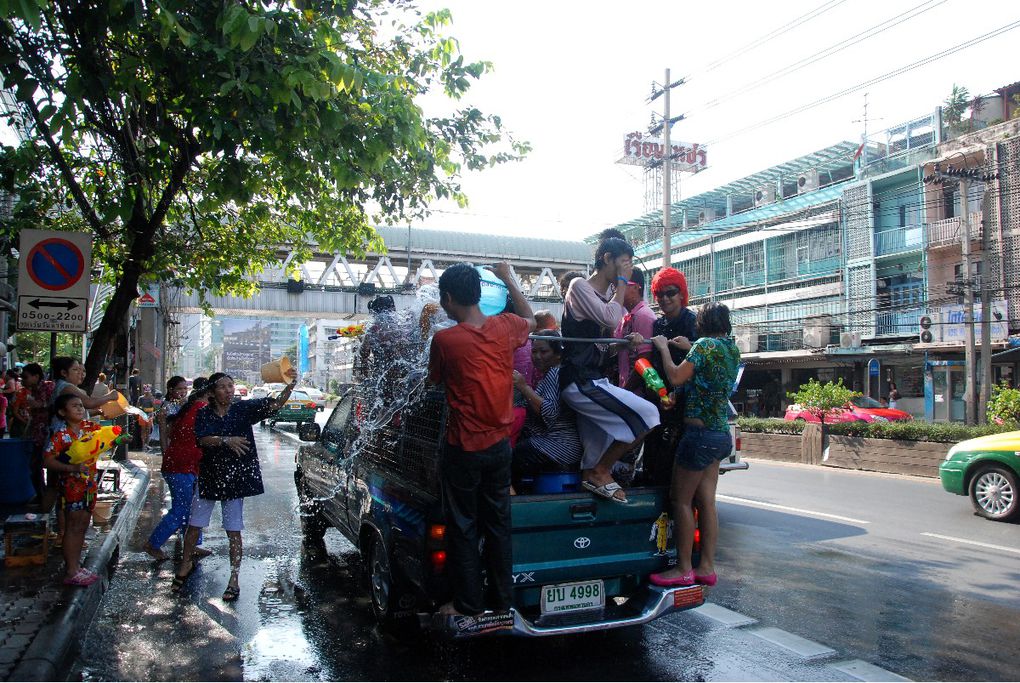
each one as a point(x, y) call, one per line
point(677, 322)
point(610, 420)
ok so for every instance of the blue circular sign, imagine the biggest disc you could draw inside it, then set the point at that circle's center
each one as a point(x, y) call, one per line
point(55, 264)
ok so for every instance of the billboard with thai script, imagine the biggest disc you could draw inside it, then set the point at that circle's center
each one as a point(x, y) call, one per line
point(641, 150)
point(954, 329)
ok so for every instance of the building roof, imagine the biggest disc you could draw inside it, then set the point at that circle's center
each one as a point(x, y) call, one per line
point(443, 242)
point(760, 215)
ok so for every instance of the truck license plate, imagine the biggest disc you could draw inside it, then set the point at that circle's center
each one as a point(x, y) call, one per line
point(569, 597)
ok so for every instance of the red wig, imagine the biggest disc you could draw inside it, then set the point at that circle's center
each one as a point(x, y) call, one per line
point(668, 277)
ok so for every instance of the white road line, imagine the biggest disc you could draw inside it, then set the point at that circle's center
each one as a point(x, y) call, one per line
point(784, 508)
point(990, 546)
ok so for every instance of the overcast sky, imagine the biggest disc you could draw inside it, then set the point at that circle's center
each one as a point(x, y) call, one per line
point(573, 77)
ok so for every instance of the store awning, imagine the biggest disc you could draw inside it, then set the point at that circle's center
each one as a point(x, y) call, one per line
point(1008, 356)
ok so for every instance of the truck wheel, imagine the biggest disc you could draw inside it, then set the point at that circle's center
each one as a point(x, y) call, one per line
point(994, 493)
point(313, 523)
point(392, 598)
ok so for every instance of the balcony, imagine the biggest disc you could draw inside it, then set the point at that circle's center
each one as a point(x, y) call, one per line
point(899, 240)
point(946, 233)
point(897, 323)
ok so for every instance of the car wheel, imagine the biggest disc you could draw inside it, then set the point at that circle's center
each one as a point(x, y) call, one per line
point(994, 493)
point(392, 598)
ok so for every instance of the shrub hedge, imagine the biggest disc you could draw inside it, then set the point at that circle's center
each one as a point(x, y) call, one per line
point(914, 430)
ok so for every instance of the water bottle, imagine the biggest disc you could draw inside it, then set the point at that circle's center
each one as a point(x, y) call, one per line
point(494, 292)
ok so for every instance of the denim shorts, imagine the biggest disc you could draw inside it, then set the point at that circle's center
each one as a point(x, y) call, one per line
point(701, 447)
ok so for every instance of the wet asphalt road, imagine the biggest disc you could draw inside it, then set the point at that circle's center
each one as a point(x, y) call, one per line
point(304, 614)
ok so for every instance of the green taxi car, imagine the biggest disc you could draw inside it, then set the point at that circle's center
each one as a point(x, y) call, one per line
point(300, 408)
point(988, 470)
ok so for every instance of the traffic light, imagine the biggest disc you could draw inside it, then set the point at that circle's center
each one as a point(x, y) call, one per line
point(926, 336)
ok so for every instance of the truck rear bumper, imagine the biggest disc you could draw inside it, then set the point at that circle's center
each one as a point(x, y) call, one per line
point(657, 601)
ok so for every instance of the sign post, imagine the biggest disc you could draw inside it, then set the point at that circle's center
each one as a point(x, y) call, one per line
point(54, 272)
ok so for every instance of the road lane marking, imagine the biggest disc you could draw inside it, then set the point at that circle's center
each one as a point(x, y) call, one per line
point(784, 508)
point(865, 671)
point(802, 647)
point(726, 617)
point(990, 546)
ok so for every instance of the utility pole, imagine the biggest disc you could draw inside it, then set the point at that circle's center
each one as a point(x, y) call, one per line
point(667, 158)
point(966, 284)
point(986, 311)
point(970, 369)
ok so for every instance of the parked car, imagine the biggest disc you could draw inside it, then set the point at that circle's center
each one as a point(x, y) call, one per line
point(853, 414)
point(987, 470)
point(300, 408)
point(869, 406)
point(260, 391)
point(315, 395)
point(580, 563)
point(241, 390)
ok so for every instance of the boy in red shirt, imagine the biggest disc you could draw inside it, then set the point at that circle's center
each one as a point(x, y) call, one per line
point(474, 361)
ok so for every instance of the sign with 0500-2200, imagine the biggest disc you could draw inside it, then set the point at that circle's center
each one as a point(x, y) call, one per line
point(52, 314)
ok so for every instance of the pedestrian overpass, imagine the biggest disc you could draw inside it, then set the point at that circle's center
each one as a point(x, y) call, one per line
point(334, 285)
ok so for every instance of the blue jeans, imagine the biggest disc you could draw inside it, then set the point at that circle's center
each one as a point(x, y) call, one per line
point(182, 489)
point(700, 447)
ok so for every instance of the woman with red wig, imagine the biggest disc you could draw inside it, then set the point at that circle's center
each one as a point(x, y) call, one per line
point(677, 322)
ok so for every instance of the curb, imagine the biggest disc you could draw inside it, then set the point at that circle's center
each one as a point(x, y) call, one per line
point(54, 647)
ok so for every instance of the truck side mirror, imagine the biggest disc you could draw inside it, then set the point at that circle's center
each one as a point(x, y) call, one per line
point(309, 431)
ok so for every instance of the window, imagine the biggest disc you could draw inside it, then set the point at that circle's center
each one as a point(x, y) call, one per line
point(903, 216)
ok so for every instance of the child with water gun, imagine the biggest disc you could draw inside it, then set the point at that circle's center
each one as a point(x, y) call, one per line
point(72, 453)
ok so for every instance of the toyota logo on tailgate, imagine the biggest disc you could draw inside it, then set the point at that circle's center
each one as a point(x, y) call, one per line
point(582, 542)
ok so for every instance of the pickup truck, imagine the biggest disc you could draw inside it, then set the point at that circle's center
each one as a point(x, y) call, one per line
point(580, 563)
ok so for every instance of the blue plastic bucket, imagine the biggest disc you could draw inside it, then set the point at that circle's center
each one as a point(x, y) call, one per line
point(494, 293)
point(16, 471)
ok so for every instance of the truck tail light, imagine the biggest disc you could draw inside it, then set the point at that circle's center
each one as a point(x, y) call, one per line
point(438, 559)
point(736, 439)
point(437, 532)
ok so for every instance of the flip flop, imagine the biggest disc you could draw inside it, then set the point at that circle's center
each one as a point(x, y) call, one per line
point(605, 490)
point(231, 593)
point(83, 577)
point(179, 579)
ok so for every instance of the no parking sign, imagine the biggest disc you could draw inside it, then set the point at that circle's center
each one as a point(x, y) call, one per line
point(53, 281)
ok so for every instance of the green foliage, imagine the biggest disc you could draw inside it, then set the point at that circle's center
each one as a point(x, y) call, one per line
point(34, 347)
point(194, 139)
point(914, 430)
point(1004, 406)
point(770, 425)
point(822, 400)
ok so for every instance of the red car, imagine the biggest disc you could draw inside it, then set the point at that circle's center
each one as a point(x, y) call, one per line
point(862, 409)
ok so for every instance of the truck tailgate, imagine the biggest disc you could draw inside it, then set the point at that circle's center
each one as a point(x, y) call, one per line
point(571, 537)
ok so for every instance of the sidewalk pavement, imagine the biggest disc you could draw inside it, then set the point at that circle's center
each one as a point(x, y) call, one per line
point(42, 621)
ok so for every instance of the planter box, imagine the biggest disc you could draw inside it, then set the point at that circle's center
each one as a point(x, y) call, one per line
point(781, 447)
point(918, 458)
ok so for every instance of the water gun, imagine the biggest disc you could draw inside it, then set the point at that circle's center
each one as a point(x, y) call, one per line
point(651, 378)
point(89, 447)
point(349, 332)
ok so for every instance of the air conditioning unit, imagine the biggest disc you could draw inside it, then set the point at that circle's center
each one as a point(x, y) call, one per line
point(747, 339)
point(930, 328)
point(849, 340)
point(807, 181)
point(706, 216)
point(816, 332)
point(765, 195)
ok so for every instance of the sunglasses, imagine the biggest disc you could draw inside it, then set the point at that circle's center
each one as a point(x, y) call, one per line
point(667, 292)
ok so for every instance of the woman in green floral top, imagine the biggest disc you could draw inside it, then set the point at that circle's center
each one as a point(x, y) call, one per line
point(710, 369)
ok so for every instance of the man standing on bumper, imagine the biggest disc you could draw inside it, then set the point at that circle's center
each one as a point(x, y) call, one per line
point(474, 360)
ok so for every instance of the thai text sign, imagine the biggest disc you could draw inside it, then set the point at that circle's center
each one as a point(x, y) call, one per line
point(641, 150)
point(954, 328)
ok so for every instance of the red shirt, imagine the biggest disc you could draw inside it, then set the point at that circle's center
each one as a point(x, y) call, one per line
point(475, 364)
point(182, 452)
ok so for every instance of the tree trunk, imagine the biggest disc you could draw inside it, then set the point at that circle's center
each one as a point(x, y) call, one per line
point(116, 313)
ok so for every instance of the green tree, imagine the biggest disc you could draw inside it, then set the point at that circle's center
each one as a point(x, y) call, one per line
point(34, 347)
point(194, 139)
point(955, 105)
point(823, 400)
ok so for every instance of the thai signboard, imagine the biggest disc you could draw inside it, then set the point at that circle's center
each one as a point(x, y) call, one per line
point(641, 150)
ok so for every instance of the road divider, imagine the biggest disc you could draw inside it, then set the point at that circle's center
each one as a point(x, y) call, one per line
point(785, 508)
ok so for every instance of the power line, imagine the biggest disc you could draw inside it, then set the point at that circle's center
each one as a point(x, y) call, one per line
point(878, 79)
